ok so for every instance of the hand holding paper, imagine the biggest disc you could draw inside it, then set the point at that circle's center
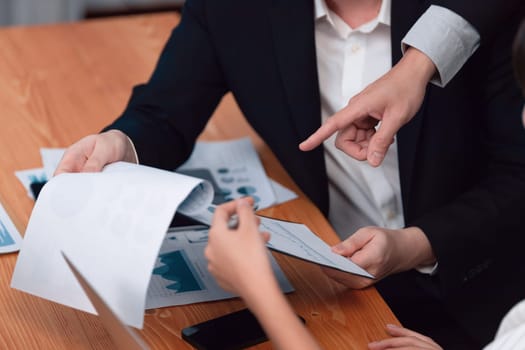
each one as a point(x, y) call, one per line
point(297, 240)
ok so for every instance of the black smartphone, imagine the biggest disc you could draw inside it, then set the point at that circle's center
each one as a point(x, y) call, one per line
point(237, 330)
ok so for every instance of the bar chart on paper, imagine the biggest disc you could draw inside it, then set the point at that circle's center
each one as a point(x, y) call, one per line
point(181, 274)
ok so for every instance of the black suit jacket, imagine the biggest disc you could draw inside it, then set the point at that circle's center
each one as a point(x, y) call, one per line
point(461, 159)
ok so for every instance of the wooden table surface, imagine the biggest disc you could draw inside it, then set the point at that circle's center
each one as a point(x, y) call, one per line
point(59, 83)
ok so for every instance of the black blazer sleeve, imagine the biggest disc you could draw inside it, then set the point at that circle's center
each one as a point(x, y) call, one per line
point(165, 116)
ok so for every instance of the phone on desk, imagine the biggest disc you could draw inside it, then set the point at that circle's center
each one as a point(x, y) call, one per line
point(236, 330)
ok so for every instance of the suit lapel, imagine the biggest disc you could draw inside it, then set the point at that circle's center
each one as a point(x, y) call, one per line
point(292, 23)
point(404, 14)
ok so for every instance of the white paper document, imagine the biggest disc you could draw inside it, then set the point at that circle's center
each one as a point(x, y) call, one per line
point(299, 241)
point(235, 170)
point(111, 226)
point(181, 272)
point(10, 239)
point(282, 194)
point(123, 336)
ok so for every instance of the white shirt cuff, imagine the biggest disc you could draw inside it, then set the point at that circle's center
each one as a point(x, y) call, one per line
point(446, 38)
point(136, 160)
point(428, 270)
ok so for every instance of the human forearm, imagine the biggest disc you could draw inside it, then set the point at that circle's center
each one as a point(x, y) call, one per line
point(417, 65)
point(415, 241)
point(278, 319)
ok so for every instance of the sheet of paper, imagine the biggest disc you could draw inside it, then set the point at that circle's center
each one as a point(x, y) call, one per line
point(123, 336)
point(111, 225)
point(282, 193)
point(50, 159)
point(10, 239)
point(299, 241)
point(28, 176)
point(181, 274)
point(235, 168)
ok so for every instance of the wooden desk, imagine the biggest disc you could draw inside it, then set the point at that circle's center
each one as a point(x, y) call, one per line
point(61, 82)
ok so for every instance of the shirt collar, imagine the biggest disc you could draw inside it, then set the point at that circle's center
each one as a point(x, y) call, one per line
point(322, 10)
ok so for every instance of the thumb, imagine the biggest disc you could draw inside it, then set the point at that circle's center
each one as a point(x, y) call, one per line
point(266, 236)
point(353, 243)
point(247, 218)
point(93, 164)
point(346, 248)
point(382, 139)
point(103, 153)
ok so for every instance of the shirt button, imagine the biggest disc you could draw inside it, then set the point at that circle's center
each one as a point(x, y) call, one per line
point(355, 48)
point(390, 215)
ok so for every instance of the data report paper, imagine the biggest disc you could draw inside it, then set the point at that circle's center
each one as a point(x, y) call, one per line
point(111, 226)
point(299, 241)
point(181, 272)
point(10, 239)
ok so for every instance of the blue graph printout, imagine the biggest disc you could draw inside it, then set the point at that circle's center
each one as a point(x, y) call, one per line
point(9, 237)
point(181, 272)
point(5, 237)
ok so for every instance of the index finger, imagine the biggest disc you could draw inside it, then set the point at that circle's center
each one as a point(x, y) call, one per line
point(338, 121)
point(324, 132)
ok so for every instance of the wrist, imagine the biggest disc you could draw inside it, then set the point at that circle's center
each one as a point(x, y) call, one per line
point(258, 296)
point(125, 147)
point(420, 65)
point(417, 242)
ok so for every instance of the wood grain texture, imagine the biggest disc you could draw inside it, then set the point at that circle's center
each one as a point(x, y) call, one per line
point(59, 83)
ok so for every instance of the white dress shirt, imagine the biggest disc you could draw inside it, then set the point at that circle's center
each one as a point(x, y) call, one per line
point(347, 61)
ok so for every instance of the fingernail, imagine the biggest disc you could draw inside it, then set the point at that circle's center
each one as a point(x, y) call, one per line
point(244, 202)
point(377, 156)
point(392, 326)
